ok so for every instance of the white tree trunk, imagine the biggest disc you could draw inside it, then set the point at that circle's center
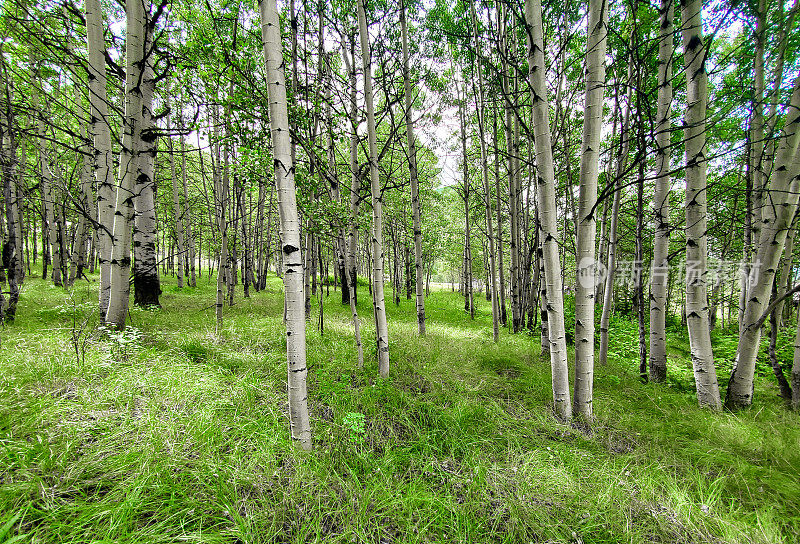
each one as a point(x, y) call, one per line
point(782, 199)
point(131, 134)
point(290, 226)
point(487, 192)
point(545, 184)
point(705, 373)
point(146, 284)
point(176, 210)
point(382, 332)
point(101, 134)
point(659, 277)
point(412, 169)
point(587, 214)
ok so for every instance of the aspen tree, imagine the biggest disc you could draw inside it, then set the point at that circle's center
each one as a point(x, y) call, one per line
point(659, 277)
point(783, 199)
point(545, 184)
point(412, 169)
point(382, 333)
point(705, 373)
point(131, 136)
point(486, 188)
point(587, 219)
point(290, 226)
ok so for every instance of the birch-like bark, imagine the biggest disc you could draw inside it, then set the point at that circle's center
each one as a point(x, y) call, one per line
point(587, 216)
point(176, 210)
point(757, 124)
point(469, 301)
point(412, 169)
point(782, 199)
point(487, 192)
point(545, 184)
point(13, 248)
point(101, 135)
point(382, 332)
point(608, 291)
point(290, 226)
point(351, 264)
point(659, 276)
point(705, 373)
point(188, 223)
point(146, 283)
point(220, 204)
point(132, 127)
point(502, 287)
point(786, 273)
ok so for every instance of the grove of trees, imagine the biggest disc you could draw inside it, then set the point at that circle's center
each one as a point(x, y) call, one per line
point(576, 161)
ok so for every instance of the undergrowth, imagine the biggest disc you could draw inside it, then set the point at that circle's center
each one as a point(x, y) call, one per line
point(168, 432)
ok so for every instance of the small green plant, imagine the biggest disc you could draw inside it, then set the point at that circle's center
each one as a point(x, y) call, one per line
point(354, 422)
point(122, 344)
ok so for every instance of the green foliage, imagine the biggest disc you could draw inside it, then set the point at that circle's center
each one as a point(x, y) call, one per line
point(187, 439)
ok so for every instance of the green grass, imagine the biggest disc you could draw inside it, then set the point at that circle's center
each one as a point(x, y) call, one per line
point(170, 434)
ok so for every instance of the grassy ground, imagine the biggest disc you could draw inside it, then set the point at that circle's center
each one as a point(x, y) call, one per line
point(167, 433)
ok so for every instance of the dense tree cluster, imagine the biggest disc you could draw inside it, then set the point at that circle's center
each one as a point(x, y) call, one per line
point(611, 157)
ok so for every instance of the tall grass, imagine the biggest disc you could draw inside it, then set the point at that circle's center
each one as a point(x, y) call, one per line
point(169, 433)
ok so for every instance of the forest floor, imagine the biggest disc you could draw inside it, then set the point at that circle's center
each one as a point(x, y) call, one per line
point(168, 433)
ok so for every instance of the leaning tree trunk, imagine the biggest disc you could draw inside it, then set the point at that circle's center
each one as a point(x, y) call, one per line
point(659, 276)
point(382, 332)
point(545, 181)
point(705, 373)
point(290, 227)
point(412, 169)
point(132, 126)
point(783, 197)
point(587, 216)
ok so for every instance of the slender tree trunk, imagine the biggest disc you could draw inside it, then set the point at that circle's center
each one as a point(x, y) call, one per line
point(608, 291)
point(412, 168)
point(131, 135)
point(188, 223)
point(545, 181)
point(382, 332)
point(503, 313)
point(659, 275)
point(487, 192)
point(696, 245)
point(587, 215)
point(220, 203)
point(783, 196)
point(351, 259)
point(11, 258)
point(290, 227)
point(177, 213)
